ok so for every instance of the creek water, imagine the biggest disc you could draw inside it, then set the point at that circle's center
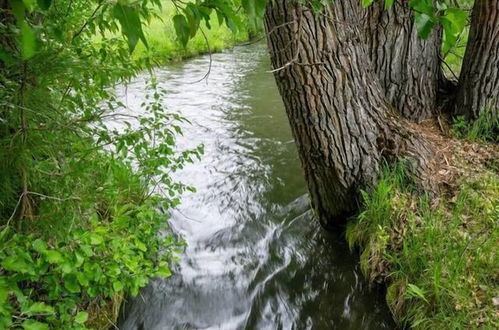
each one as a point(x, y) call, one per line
point(256, 258)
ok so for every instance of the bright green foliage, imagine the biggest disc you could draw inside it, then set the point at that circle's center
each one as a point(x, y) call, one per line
point(438, 259)
point(49, 282)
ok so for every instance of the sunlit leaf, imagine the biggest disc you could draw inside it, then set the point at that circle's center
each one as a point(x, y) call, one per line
point(81, 317)
point(34, 325)
point(366, 3)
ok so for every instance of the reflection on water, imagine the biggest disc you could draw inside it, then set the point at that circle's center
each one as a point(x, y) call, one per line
point(255, 258)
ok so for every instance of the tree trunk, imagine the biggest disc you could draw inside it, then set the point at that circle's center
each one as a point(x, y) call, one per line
point(408, 67)
point(340, 119)
point(479, 80)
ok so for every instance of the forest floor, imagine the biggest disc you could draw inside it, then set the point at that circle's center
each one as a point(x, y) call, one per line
point(437, 254)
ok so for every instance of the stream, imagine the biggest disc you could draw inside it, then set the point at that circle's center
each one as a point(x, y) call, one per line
point(255, 258)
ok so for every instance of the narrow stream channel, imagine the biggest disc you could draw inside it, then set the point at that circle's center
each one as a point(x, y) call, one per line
point(255, 258)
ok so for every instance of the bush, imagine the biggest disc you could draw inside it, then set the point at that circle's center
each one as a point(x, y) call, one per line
point(50, 283)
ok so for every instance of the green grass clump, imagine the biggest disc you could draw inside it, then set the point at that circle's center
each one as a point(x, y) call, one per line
point(484, 128)
point(438, 258)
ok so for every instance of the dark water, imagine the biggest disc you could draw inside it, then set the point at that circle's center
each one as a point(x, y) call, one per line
point(255, 259)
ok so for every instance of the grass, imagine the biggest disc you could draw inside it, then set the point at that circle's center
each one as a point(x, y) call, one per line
point(484, 129)
point(438, 257)
point(163, 44)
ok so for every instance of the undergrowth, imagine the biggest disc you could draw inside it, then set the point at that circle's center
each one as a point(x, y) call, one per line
point(111, 248)
point(438, 257)
point(484, 129)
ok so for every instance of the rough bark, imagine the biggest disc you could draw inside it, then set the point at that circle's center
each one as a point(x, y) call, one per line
point(479, 79)
point(342, 124)
point(408, 67)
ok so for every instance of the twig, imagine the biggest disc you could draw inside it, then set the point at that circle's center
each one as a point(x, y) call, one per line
point(207, 74)
point(53, 197)
point(448, 67)
point(91, 18)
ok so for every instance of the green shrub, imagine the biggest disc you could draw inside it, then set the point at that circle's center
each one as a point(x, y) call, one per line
point(51, 282)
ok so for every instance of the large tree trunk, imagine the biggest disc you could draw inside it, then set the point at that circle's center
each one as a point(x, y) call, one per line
point(340, 119)
point(408, 66)
point(479, 80)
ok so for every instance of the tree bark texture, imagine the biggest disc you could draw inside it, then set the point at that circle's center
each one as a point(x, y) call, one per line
point(479, 80)
point(407, 66)
point(342, 124)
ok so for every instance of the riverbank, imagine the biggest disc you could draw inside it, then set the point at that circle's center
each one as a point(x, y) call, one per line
point(163, 46)
point(438, 256)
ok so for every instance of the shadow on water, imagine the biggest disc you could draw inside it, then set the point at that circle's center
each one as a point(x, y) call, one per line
point(255, 259)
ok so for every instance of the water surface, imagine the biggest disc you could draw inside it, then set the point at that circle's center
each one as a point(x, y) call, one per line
point(255, 259)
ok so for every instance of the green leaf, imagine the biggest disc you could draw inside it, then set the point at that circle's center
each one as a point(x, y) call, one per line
point(454, 21)
point(424, 25)
point(44, 4)
point(96, 239)
point(131, 27)
point(164, 271)
point(39, 245)
point(71, 284)
point(17, 264)
point(141, 246)
point(34, 325)
point(182, 29)
point(28, 41)
point(423, 6)
point(367, 3)
point(5, 232)
point(81, 317)
point(54, 257)
point(117, 286)
point(388, 4)
point(193, 18)
point(28, 36)
point(38, 308)
point(249, 8)
point(82, 279)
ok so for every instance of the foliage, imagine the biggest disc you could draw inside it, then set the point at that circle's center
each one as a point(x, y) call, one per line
point(81, 174)
point(438, 258)
point(484, 128)
point(51, 282)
